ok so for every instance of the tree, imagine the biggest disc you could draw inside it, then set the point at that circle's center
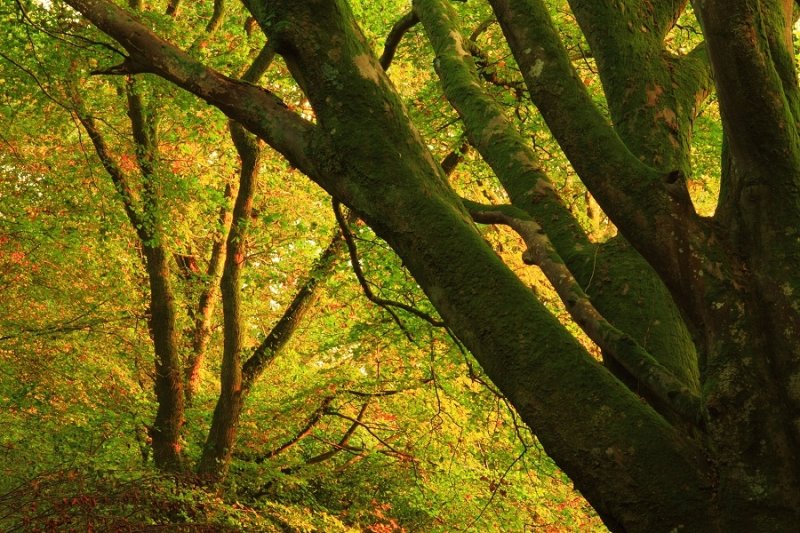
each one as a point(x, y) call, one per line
point(712, 442)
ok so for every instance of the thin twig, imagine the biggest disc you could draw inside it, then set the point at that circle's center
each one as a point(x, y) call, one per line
point(382, 302)
point(315, 417)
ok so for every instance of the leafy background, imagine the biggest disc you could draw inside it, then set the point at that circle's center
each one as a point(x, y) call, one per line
point(432, 447)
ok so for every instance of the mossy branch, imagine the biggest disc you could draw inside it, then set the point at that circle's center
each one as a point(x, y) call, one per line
point(489, 130)
point(615, 343)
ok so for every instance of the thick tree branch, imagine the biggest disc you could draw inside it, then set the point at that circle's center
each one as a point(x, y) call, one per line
point(651, 94)
point(217, 16)
point(614, 343)
point(264, 113)
point(611, 172)
point(694, 76)
point(651, 208)
point(760, 125)
point(498, 140)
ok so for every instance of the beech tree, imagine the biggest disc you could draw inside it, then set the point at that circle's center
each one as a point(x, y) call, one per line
point(693, 419)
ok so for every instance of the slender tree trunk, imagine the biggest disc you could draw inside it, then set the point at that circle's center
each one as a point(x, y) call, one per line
point(225, 421)
point(166, 429)
point(201, 333)
point(221, 435)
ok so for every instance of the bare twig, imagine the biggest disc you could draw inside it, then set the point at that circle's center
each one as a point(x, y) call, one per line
point(391, 392)
point(382, 302)
point(357, 422)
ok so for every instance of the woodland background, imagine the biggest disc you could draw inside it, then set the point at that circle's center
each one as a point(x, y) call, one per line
point(369, 417)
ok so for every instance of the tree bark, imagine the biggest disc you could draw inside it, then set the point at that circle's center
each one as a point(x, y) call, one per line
point(166, 429)
point(142, 213)
point(219, 442)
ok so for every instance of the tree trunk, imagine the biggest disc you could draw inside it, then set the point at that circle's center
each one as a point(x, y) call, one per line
point(206, 304)
point(221, 436)
point(143, 216)
point(166, 429)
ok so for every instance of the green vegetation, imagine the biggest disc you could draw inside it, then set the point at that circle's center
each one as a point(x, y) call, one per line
point(399, 266)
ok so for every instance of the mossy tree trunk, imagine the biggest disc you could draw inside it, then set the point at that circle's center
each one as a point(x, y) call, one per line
point(167, 426)
point(142, 208)
point(725, 287)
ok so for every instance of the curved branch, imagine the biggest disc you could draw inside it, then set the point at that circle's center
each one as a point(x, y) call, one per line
point(651, 207)
point(382, 302)
point(272, 120)
point(282, 331)
point(400, 28)
point(312, 421)
point(118, 177)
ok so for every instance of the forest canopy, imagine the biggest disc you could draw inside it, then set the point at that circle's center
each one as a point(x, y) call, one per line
point(399, 266)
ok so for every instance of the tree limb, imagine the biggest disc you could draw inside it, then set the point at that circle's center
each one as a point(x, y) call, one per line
point(614, 343)
point(281, 332)
point(274, 122)
point(400, 28)
point(313, 419)
point(357, 421)
point(651, 207)
point(494, 136)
